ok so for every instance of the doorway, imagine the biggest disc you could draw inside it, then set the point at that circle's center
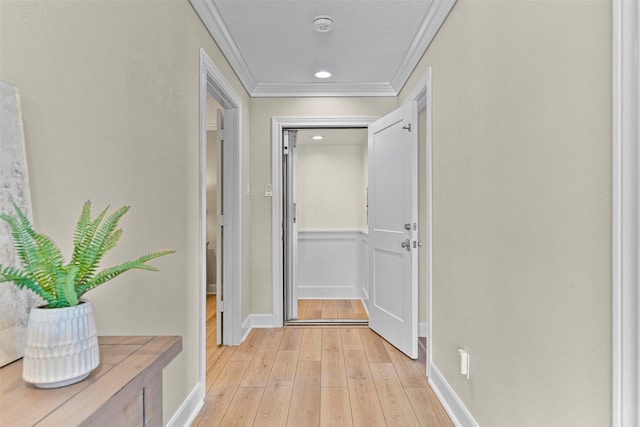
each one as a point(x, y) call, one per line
point(324, 187)
point(279, 125)
point(228, 268)
point(214, 229)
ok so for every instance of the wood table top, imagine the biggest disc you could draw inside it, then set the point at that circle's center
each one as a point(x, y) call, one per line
point(123, 359)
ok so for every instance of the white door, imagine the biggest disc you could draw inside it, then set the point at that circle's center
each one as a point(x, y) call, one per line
point(220, 224)
point(393, 235)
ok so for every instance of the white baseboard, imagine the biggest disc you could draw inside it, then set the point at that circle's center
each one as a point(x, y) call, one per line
point(454, 406)
point(256, 321)
point(329, 291)
point(422, 329)
point(189, 409)
point(365, 304)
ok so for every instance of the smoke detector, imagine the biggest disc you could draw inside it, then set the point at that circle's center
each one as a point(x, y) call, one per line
point(323, 23)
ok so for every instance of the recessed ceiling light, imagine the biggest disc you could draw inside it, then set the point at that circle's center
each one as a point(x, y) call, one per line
point(317, 137)
point(323, 74)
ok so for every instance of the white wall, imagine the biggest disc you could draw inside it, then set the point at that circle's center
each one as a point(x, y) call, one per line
point(521, 209)
point(331, 186)
point(331, 213)
point(110, 98)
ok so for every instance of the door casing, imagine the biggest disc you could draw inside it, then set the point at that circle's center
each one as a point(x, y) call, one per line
point(213, 82)
point(278, 124)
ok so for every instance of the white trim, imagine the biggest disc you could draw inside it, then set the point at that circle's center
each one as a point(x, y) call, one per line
point(256, 321)
point(188, 411)
point(264, 90)
point(213, 22)
point(212, 81)
point(277, 125)
point(454, 406)
point(625, 214)
point(434, 18)
point(333, 234)
point(422, 329)
point(422, 94)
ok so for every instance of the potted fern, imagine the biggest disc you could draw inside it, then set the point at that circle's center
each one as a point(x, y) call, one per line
point(61, 346)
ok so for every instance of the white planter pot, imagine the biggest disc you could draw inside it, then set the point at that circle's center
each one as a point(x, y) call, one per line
point(61, 346)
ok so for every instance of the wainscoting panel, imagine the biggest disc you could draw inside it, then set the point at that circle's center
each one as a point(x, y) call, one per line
point(364, 269)
point(330, 264)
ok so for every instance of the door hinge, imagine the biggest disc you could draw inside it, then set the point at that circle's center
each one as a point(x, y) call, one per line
point(407, 127)
point(220, 135)
point(221, 220)
point(221, 306)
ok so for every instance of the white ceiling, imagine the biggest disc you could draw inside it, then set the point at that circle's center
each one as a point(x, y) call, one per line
point(274, 50)
point(333, 136)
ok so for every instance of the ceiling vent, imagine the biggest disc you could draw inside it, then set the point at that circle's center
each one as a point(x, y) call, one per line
point(323, 24)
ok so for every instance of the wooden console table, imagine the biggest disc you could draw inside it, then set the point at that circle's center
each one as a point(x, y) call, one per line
point(125, 390)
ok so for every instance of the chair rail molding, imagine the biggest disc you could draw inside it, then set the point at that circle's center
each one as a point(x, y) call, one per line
point(625, 214)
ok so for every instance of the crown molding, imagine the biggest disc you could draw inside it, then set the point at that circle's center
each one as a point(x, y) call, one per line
point(434, 18)
point(265, 90)
point(213, 22)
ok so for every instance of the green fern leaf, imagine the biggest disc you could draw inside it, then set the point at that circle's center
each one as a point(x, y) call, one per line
point(80, 257)
point(45, 272)
point(82, 224)
point(113, 272)
point(96, 250)
point(65, 287)
point(22, 242)
point(22, 280)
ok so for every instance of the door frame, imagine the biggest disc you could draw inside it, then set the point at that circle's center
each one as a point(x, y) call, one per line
point(625, 231)
point(422, 94)
point(278, 124)
point(212, 81)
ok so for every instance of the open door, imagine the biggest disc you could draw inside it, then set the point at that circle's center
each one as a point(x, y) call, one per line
point(220, 224)
point(393, 224)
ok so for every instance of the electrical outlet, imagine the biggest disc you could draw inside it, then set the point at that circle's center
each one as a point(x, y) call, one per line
point(268, 190)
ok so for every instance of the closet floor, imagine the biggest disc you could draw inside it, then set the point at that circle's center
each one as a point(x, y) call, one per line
point(323, 309)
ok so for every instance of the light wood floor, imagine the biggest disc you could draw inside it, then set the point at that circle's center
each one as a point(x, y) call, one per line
point(318, 309)
point(212, 346)
point(317, 377)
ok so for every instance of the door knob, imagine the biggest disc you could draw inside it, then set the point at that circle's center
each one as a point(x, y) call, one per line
point(407, 245)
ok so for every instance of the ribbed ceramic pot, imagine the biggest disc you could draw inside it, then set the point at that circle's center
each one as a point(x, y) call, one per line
point(61, 347)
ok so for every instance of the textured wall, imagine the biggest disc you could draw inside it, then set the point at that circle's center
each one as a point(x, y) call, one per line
point(521, 222)
point(110, 94)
